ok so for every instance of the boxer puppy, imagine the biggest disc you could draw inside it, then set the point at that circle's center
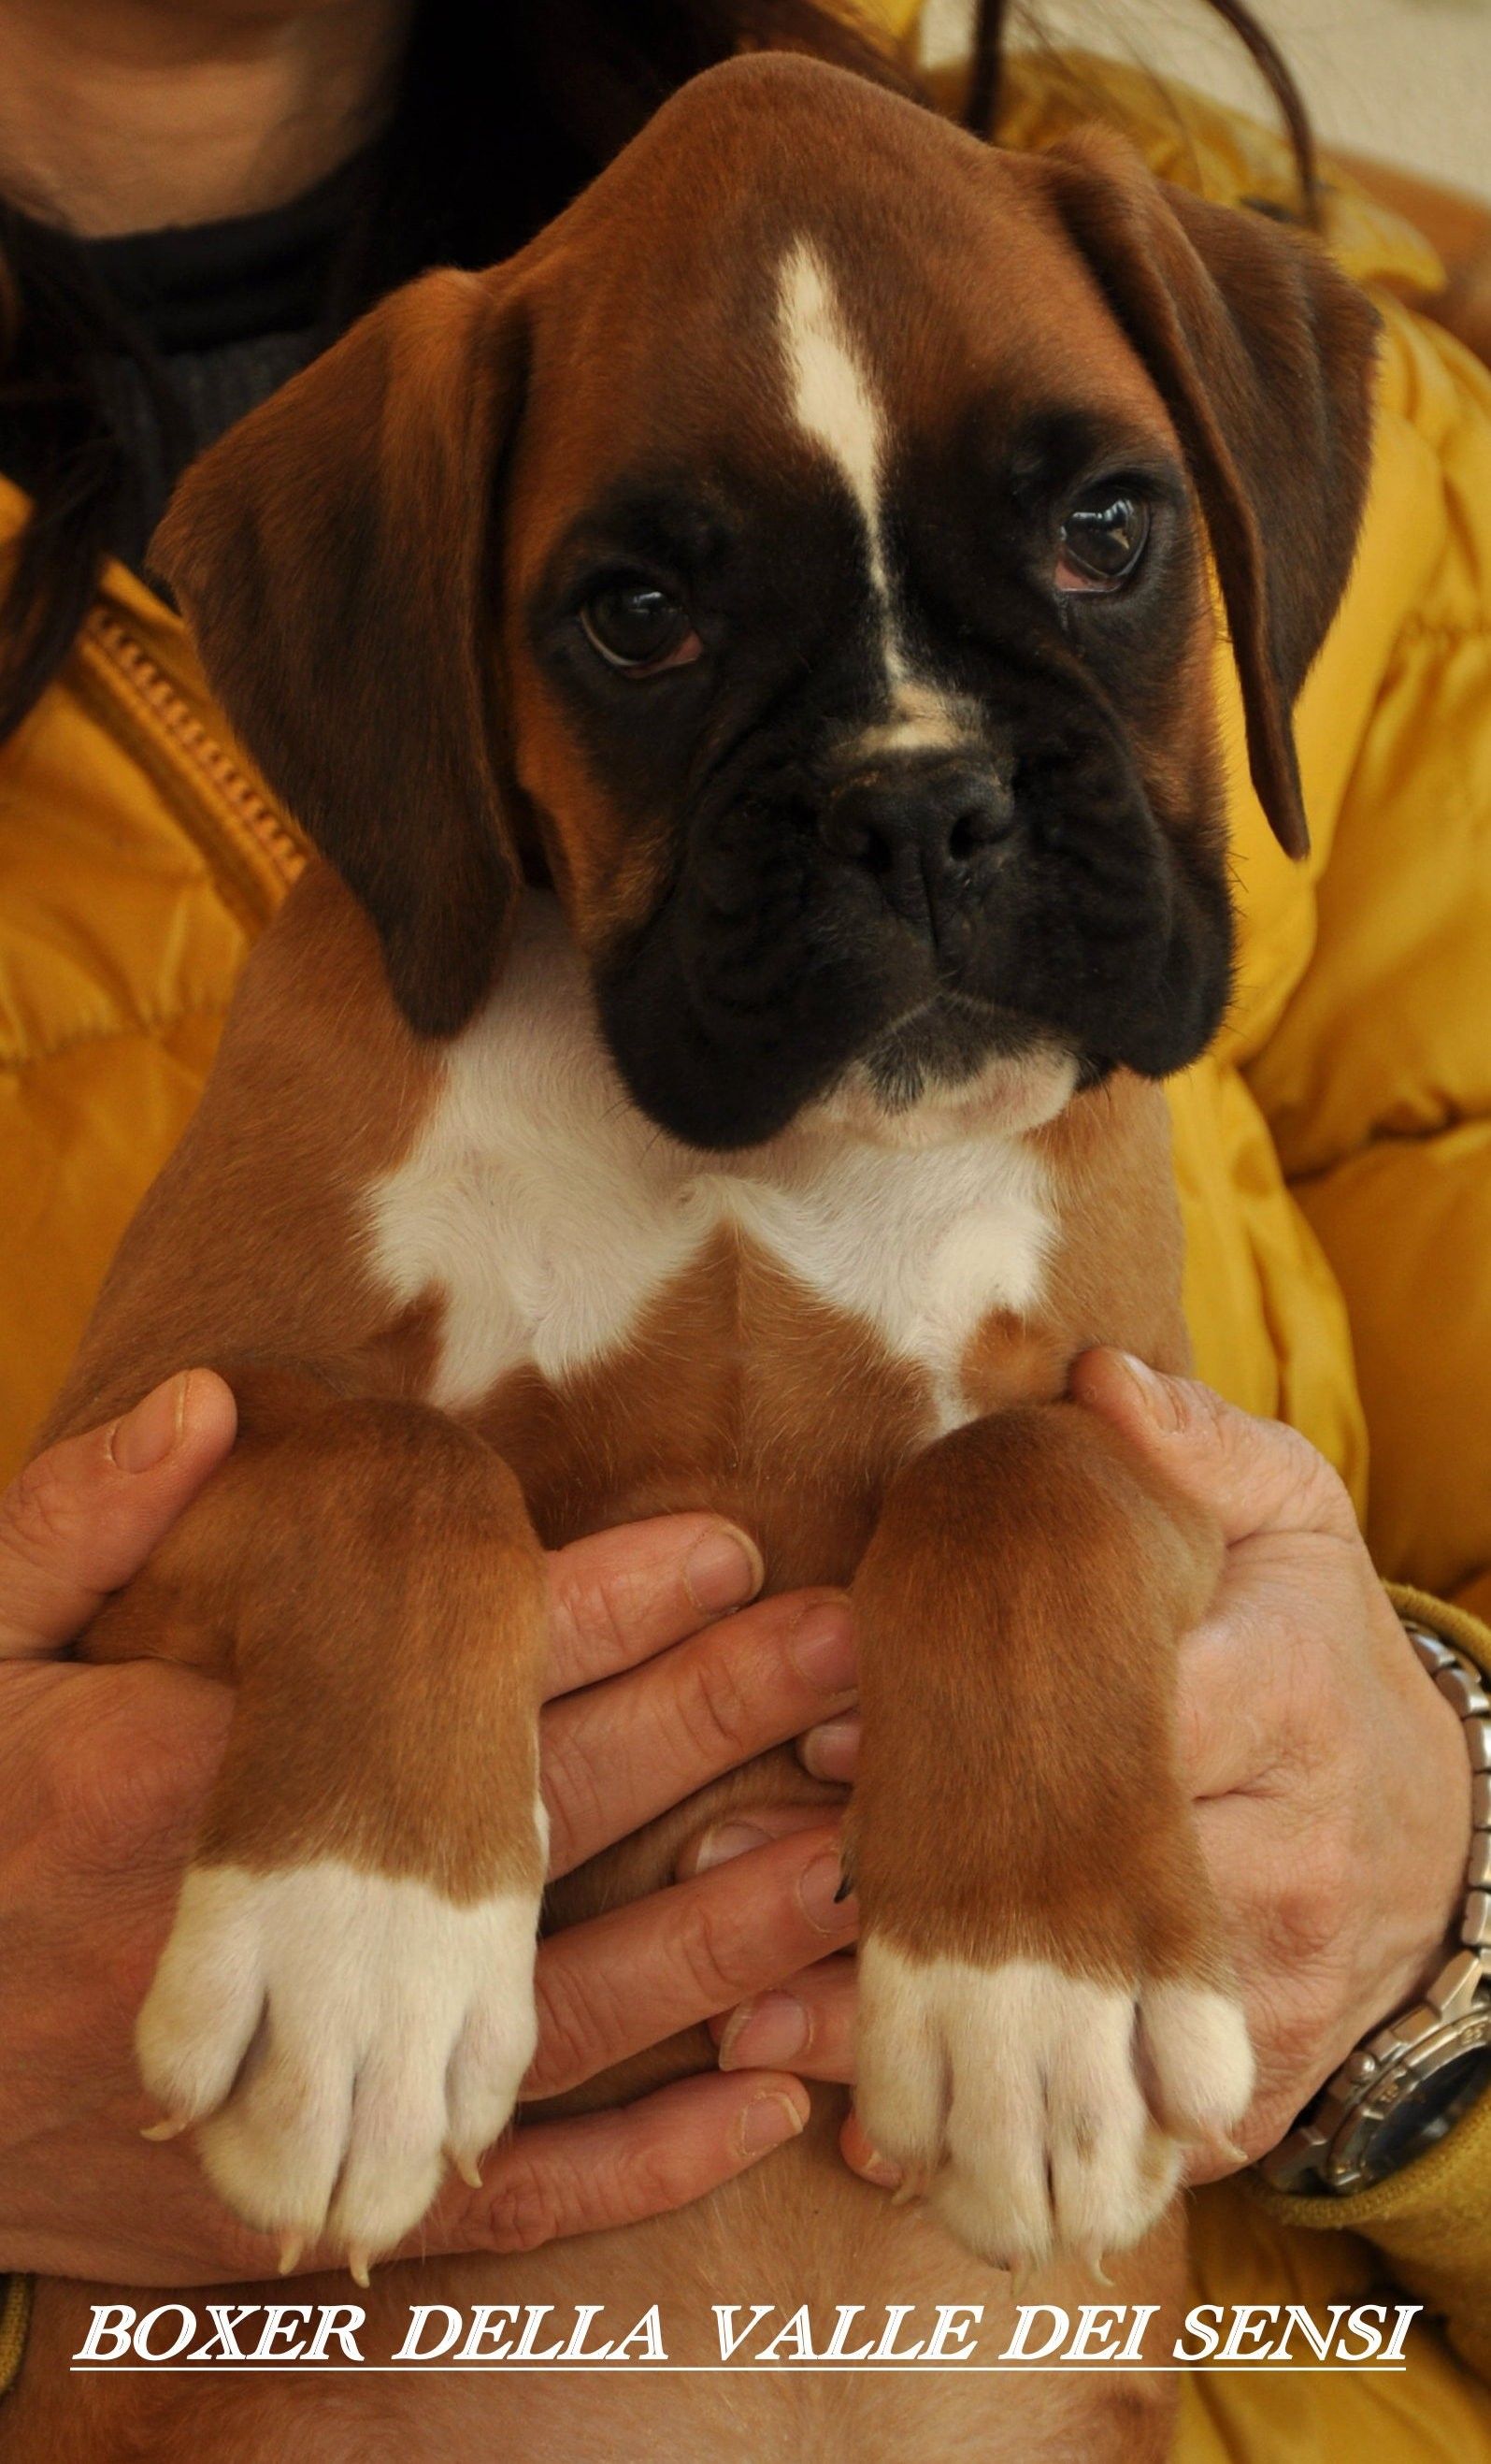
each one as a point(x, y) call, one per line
point(745, 665)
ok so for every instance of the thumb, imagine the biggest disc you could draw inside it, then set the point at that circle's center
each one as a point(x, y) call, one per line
point(83, 1518)
point(1254, 1475)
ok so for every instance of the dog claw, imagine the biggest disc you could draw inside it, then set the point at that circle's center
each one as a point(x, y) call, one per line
point(290, 2249)
point(357, 2265)
point(169, 2128)
point(914, 2183)
point(468, 2170)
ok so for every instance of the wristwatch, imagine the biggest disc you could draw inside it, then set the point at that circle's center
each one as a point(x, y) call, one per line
point(1402, 2090)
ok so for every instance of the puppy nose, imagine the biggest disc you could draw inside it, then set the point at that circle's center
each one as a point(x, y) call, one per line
point(920, 830)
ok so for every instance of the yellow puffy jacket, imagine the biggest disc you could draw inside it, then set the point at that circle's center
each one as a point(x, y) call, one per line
point(1334, 1151)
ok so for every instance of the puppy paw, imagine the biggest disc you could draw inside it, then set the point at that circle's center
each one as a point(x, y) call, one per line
point(334, 2034)
point(1047, 2112)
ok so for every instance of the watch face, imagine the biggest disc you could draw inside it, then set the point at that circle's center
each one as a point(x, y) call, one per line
point(1421, 2114)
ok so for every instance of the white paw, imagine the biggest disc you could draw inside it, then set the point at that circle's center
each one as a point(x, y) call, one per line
point(334, 2034)
point(1019, 2093)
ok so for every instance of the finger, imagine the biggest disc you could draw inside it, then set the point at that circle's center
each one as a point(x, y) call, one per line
point(1254, 1475)
point(608, 1989)
point(832, 1750)
point(615, 1755)
point(620, 1595)
point(735, 1835)
point(554, 2179)
point(83, 1518)
point(806, 2026)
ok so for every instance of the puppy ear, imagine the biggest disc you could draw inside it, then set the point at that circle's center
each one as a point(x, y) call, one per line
point(334, 556)
point(1263, 354)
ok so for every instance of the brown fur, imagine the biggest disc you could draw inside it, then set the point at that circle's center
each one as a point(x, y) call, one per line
point(398, 1551)
point(1031, 1525)
point(706, 1406)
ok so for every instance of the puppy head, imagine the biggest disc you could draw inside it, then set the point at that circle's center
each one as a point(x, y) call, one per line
point(797, 557)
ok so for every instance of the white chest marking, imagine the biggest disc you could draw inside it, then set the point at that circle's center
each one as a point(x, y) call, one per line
point(548, 1212)
point(835, 404)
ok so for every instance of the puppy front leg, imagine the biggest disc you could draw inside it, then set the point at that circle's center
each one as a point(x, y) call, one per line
point(346, 1994)
point(1046, 2014)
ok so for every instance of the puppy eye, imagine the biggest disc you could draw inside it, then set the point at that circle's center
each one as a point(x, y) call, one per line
point(635, 626)
point(1102, 538)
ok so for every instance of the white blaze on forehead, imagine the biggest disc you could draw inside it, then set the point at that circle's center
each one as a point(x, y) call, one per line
point(834, 402)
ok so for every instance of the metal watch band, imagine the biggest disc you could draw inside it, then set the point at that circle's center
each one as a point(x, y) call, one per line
point(1329, 2149)
point(1462, 1684)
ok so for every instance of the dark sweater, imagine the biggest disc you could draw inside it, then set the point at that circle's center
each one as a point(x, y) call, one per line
point(231, 309)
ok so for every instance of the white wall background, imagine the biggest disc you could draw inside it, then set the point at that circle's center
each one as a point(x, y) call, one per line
point(1407, 80)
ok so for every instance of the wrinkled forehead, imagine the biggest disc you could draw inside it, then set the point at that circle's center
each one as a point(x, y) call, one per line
point(778, 303)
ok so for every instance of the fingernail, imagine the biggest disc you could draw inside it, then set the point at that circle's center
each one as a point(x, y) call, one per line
point(767, 2033)
point(818, 1892)
point(821, 1646)
point(725, 1840)
point(830, 1749)
point(1158, 1400)
point(146, 1435)
point(769, 2120)
point(723, 1570)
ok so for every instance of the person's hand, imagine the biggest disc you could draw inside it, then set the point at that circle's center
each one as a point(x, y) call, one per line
point(1331, 1778)
point(103, 1774)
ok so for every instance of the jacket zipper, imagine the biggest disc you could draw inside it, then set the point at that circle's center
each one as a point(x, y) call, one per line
point(241, 825)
